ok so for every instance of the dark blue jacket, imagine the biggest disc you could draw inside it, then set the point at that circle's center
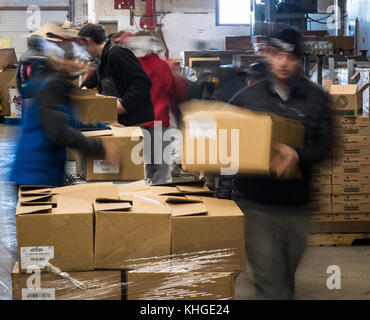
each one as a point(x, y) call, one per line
point(48, 127)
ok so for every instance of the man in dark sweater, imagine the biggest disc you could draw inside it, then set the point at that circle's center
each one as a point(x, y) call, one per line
point(120, 75)
point(276, 207)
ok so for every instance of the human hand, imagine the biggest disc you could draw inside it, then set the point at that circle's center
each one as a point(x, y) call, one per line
point(285, 163)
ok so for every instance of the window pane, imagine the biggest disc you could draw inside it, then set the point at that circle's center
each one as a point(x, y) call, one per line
point(234, 12)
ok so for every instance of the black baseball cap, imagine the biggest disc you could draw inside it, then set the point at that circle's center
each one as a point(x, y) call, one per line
point(288, 40)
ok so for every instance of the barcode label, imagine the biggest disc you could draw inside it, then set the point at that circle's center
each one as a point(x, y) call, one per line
point(34, 256)
point(102, 166)
point(38, 294)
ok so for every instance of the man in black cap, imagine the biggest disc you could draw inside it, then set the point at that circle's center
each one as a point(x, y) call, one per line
point(276, 207)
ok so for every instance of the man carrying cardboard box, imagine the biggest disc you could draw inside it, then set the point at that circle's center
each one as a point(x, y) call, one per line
point(276, 207)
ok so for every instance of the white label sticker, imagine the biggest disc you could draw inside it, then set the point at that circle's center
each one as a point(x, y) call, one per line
point(38, 294)
point(203, 128)
point(102, 166)
point(34, 256)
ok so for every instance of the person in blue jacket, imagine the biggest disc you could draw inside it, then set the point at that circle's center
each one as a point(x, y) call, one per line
point(49, 127)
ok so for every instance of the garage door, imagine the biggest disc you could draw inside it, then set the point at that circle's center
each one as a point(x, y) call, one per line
point(13, 25)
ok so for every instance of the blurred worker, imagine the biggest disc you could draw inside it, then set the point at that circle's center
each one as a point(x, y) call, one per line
point(146, 48)
point(120, 75)
point(256, 72)
point(49, 126)
point(275, 207)
point(29, 61)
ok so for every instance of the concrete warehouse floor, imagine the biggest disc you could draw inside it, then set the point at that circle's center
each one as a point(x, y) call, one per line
point(311, 278)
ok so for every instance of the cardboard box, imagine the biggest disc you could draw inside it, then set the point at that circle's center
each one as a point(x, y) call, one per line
point(122, 285)
point(345, 42)
point(352, 145)
point(100, 285)
point(131, 234)
point(127, 140)
point(347, 99)
point(93, 109)
point(342, 223)
point(231, 140)
point(55, 229)
point(7, 80)
point(213, 242)
point(180, 285)
point(71, 154)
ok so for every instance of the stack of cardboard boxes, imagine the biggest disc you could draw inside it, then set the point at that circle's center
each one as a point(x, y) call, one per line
point(347, 170)
point(174, 241)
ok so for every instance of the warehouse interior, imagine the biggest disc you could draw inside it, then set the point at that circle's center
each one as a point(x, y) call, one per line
point(109, 232)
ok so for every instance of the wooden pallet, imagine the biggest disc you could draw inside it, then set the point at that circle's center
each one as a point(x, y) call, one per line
point(335, 239)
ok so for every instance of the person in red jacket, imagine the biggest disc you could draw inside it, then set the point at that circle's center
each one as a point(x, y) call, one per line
point(163, 94)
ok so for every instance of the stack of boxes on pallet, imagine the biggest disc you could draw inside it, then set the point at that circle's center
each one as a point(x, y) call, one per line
point(134, 242)
point(341, 184)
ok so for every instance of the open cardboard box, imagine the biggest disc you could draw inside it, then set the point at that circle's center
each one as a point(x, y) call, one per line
point(55, 229)
point(347, 98)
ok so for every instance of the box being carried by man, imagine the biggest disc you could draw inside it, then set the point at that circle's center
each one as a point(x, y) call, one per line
point(229, 140)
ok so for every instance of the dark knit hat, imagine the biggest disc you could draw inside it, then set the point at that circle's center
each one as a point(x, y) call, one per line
point(288, 40)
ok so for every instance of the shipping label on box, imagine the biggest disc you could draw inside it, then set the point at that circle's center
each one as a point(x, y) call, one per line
point(351, 179)
point(350, 199)
point(352, 145)
point(324, 217)
point(16, 104)
point(352, 160)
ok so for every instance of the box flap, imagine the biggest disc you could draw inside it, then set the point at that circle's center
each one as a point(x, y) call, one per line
point(37, 200)
point(364, 87)
point(113, 206)
point(98, 133)
point(33, 209)
point(344, 89)
point(182, 183)
point(182, 206)
point(8, 58)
